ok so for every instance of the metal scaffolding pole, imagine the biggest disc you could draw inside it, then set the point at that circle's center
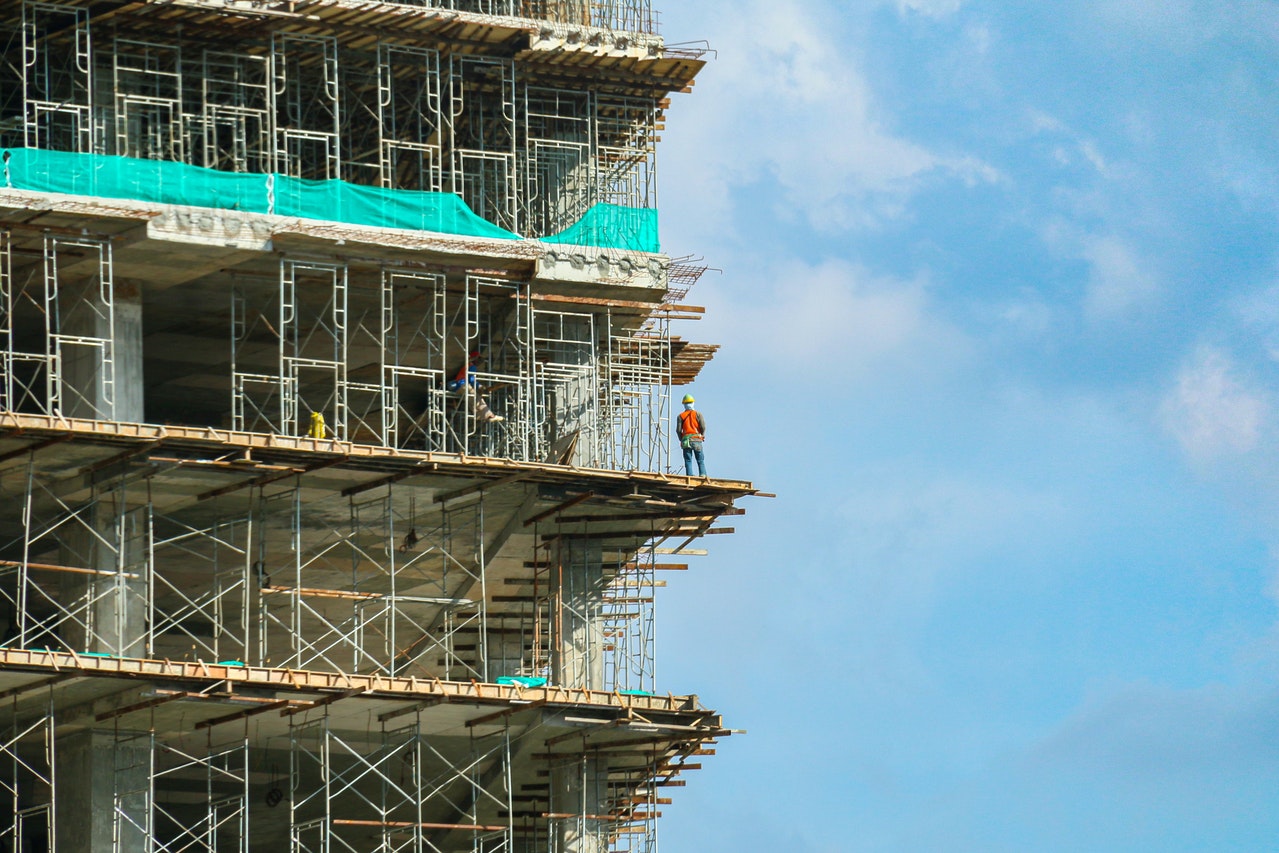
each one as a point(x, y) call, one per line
point(558, 158)
point(232, 131)
point(409, 120)
point(566, 388)
point(636, 388)
point(313, 346)
point(414, 337)
point(305, 97)
point(522, 151)
point(390, 590)
point(29, 785)
point(629, 623)
point(480, 127)
point(398, 791)
point(58, 329)
point(188, 797)
point(201, 588)
point(626, 149)
point(57, 77)
point(82, 580)
point(147, 85)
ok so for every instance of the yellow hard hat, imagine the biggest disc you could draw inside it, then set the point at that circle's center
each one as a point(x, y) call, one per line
point(688, 398)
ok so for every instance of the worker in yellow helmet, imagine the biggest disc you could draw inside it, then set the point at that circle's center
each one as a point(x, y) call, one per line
point(691, 428)
point(317, 429)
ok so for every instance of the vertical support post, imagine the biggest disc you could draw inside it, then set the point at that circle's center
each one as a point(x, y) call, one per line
point(313, 345)
point(27, 750)
point(579, 656)
point(104, 791)
point(579, 801)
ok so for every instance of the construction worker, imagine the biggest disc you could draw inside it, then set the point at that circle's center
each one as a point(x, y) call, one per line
point(463, 381)
point(691, 428)
point(317, 429)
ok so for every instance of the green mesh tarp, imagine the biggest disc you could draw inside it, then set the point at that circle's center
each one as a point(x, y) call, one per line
point(606, 226)
point(611, 226)
point(167, 182)
point(360, 205)
point(106, 176)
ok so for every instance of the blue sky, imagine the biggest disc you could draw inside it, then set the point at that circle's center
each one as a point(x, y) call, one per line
point(1000, 321)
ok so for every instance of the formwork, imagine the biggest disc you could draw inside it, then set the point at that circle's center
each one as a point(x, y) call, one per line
point(336, 375)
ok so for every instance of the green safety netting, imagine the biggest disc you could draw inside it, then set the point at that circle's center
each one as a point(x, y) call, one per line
point(129, 178)
point(385, 208)
point(612, 226)
point(607, 226)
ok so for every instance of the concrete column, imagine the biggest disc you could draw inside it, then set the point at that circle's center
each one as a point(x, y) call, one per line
point(130, 390)
point(96, 388)
point(113, 605)
point(92, 386)
point(98, 772)
point(579, 658)
point(578, 790)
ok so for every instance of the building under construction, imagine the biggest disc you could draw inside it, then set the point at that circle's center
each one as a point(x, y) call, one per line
point(336, 371)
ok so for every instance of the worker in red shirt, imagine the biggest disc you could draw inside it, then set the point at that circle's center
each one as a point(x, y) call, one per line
point(691, 428)
point(463, 382)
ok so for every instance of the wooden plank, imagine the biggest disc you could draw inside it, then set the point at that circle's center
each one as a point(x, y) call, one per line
point(498, 715)
point(271, 478)
point(32, 448)
point(472, 827)
point(481, 486)
point(617, 303)
point(386, 481)
point(140, 706)
point(640, 516)
point(320, 703)
point(240, 715)
point(411, 709)
point(571, 502)
point(74, 570)
point(311, 592)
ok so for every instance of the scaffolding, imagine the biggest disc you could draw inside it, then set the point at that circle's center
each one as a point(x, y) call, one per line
point(409, 119)
point(57, 77)
point(58, 328)
point(542, 373)
point(382, 580)
point(304, 73)
point(184, 796)
point(522, 149)
point(317, 535)
point(230, 130)
point(29, 778)
point(637, 410)
point(407, 783)
point(595, 806)
point(410, 793)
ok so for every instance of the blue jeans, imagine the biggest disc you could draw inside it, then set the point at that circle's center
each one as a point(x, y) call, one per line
point(691, 450)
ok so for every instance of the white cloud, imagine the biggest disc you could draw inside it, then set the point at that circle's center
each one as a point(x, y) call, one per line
point(1208, 749)
point(1077, 146)
point(1210, 412)
point(1028, 315)
point(931, 8)
point(1119, 280)
point(1183, 26)
point(786, 102)
point(833, 315)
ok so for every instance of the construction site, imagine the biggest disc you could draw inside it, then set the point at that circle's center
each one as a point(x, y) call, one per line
point(337, 464)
